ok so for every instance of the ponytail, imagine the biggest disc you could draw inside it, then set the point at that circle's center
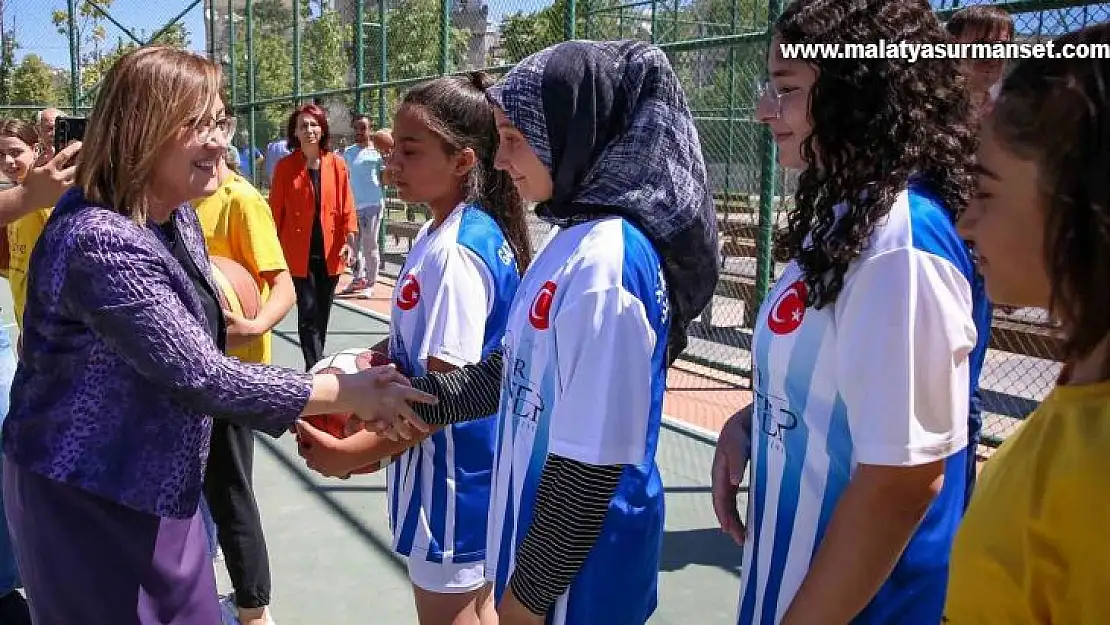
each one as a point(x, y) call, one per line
point(501, 199)
point(498, 192)
point(459, 112)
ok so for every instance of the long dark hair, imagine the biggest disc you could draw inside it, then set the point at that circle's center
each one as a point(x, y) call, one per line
point(456, 109)
point(875, 123)
point(1056, 113)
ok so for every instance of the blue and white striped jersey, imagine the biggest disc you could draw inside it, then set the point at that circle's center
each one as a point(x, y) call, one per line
point(584, 376)
point(883, 376)
point(451, 303)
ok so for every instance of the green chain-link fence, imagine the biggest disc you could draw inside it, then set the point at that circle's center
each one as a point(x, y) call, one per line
point(353, 56)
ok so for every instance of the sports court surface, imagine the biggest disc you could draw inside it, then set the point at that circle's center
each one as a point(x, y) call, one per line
point(329, 539)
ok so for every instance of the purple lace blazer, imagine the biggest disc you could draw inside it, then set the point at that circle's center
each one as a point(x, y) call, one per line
point(119, 378)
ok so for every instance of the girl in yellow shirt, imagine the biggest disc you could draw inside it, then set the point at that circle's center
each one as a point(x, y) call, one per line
point(1033, 547)
point(19, 148)
point(238, 224)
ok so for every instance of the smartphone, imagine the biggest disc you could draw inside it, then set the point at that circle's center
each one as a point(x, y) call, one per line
point(67, 129)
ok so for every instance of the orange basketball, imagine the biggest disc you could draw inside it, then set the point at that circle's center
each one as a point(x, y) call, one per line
point(237, 290)
point(344, 425)
point(334, 424)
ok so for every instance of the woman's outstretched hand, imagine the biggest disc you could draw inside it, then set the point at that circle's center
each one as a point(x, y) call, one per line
point(385, 406)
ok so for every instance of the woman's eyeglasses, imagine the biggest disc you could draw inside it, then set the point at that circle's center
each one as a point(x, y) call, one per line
point(766, 88)
point(207, 128)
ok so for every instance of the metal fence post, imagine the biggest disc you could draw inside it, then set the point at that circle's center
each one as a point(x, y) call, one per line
point(444, 36)
point(731, 130)
point(297, 53)
point(677, 34)
point(250, 90)
point(233, 81)
point(383, 76)
point(570, 25)
point(212, 29)
point(767, 189)
point(360, 52)
point(74, 57)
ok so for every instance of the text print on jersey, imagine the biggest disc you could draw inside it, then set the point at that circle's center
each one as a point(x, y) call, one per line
point(774, 416)
point(540, 312)
point(505, 253)
point(525, 401)
point(661, 296)
point(408, 296)
point(788, 310)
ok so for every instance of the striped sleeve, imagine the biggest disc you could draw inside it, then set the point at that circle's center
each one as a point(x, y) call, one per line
point(572, 500)
point(465, 394)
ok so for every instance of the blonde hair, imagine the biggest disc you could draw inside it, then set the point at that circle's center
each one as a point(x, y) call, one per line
point(147, 98)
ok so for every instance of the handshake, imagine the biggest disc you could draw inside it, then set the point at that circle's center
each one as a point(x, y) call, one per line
point(381, 427)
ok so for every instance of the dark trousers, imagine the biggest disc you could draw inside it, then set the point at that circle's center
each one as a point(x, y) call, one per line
point(315, 294)
point(228, 486)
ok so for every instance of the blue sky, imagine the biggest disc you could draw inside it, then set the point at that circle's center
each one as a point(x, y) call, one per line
point(36, 34)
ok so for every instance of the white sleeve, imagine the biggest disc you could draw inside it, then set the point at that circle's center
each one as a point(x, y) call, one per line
point(603, 347)
point(904, 335)
point(461, 291)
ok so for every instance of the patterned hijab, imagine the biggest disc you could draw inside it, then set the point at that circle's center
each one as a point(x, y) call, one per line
point(611, 123)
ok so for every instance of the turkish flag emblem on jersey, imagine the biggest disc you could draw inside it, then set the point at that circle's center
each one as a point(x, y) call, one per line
point(408, 295)
point(789, 309)
point(540, 312)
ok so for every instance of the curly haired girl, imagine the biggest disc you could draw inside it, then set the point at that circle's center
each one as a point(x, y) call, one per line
point(866, 352)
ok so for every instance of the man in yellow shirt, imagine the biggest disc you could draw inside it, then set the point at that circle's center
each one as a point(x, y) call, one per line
point(238, 224)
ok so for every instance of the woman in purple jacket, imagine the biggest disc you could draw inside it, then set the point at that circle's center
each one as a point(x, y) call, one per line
point(122, 369)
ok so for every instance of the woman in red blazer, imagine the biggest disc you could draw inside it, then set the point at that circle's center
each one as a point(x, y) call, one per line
point(314, 210)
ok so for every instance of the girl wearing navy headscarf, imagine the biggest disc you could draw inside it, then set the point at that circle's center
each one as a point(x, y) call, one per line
point(599, 135)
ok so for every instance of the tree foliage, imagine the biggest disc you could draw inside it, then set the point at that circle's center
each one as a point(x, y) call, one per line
point(413, 28)
point(33, 82)
point(7, 65)
point(326, 59)
point(97, 53)
point(523, 34)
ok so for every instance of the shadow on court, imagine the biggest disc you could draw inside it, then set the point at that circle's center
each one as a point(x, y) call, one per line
point(330, 545)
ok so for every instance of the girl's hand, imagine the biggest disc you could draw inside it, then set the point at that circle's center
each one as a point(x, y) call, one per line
point(347, 255)
point(729, 463)
point(240, 330)
point(383, 405)
point(44, 184)
point(323, 453)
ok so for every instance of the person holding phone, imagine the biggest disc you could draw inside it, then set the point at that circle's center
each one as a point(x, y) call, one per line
point(42, 186)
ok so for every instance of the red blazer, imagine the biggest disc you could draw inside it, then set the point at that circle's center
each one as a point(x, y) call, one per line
point(293, 202)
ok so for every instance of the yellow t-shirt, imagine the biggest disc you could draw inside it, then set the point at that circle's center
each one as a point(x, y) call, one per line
point(22, 236)
point(238, 224)
point(1033, 547)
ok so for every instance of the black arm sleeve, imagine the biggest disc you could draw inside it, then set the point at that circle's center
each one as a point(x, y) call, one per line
point(571, 503)
point(465, 394)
